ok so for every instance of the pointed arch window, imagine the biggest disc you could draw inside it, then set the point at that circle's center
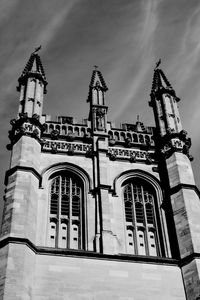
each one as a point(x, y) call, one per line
point(66, 212)
point(141, 218)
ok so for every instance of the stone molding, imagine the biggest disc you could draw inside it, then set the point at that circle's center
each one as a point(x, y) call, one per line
point(23, 169)
point(39, 250)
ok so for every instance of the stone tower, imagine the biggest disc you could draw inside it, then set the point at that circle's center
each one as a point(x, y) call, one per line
point(92, 211)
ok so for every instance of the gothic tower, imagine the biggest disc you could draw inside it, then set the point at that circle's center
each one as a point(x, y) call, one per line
point(92, 211)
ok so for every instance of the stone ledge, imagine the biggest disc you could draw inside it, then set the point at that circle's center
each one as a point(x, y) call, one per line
point(21, 168)
point(180, 186)
point(89, 254)
point(100, 256)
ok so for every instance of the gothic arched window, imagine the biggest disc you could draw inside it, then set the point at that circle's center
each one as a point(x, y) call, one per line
point(141, 217)
point(66, 211)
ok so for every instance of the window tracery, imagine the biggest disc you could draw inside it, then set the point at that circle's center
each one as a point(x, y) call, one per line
point(65, 211)
point(141, 218)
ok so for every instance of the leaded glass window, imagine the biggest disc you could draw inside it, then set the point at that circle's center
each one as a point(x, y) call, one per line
point(65, 212)
point(141, 218)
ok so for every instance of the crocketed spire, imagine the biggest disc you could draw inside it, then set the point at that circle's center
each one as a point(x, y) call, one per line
point(160, 81)
point(97, 79)
point(33, 68)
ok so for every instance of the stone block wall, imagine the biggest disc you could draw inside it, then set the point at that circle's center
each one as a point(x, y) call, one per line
point(43, 276)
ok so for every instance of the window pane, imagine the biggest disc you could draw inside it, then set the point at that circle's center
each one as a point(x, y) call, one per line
point(65, 205)
point(54, 195)
point(139, 212)
point(52, 234)
point(150, 214)
point(130, 240)
point(54, 204)
point(141, 242)
point(75, 206)
point(152, 244)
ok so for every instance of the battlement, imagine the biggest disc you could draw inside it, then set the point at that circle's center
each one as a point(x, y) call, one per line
point(65, 127)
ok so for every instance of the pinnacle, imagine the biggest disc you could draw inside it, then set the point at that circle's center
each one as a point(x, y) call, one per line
point(34, 65)
point(33, 68)
point(160, 81)
point(97, 79)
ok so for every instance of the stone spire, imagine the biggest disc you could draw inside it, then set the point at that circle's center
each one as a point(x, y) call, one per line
point(170, 135)
point(96, 98)
point(34, 68)
point(160, 81)
point(97, 87)
point(165, 104)
point(32, 86)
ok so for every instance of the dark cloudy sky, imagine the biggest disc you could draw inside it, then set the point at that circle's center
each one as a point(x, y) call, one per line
point(123, 37)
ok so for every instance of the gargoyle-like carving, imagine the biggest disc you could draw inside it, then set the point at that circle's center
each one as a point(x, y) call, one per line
point(36, 116)
point(148, 158)
point(70, 137)
point(54, 134)
point(23, 115)
point(25, 126)
point(70, 152)
point(35, 132)
point(44, 127)
point(89, 153)
point(13, 122)
point(54, 148)
point(175, 142)
point(183, 135)
point(128, 142)
point(133, 158)
point(112, 156)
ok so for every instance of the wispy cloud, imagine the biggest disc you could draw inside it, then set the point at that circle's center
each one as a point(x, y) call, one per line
point(125, 38)
point(43, 35)
point(50, 29)
point(144, 52)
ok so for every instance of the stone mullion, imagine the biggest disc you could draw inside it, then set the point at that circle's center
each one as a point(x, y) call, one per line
point(155, 228)
point(80, 223)
point(69, 227)
point(59, 213)
point(134, 221)
point(145, 223)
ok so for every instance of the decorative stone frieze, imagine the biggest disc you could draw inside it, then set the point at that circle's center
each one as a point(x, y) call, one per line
point(132, 155)
point(175, 142)
point(25, 126)
point(66, 147)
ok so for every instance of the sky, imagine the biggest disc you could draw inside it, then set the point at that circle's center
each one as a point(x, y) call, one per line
point(125, 38)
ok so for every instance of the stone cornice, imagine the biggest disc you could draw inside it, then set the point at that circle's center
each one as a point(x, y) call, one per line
point(89, 254)
point(180, 186)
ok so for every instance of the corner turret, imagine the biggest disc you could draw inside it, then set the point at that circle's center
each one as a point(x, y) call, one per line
point(32, 87)
point(170, 135)
point(181, 203)
point(165, 104)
